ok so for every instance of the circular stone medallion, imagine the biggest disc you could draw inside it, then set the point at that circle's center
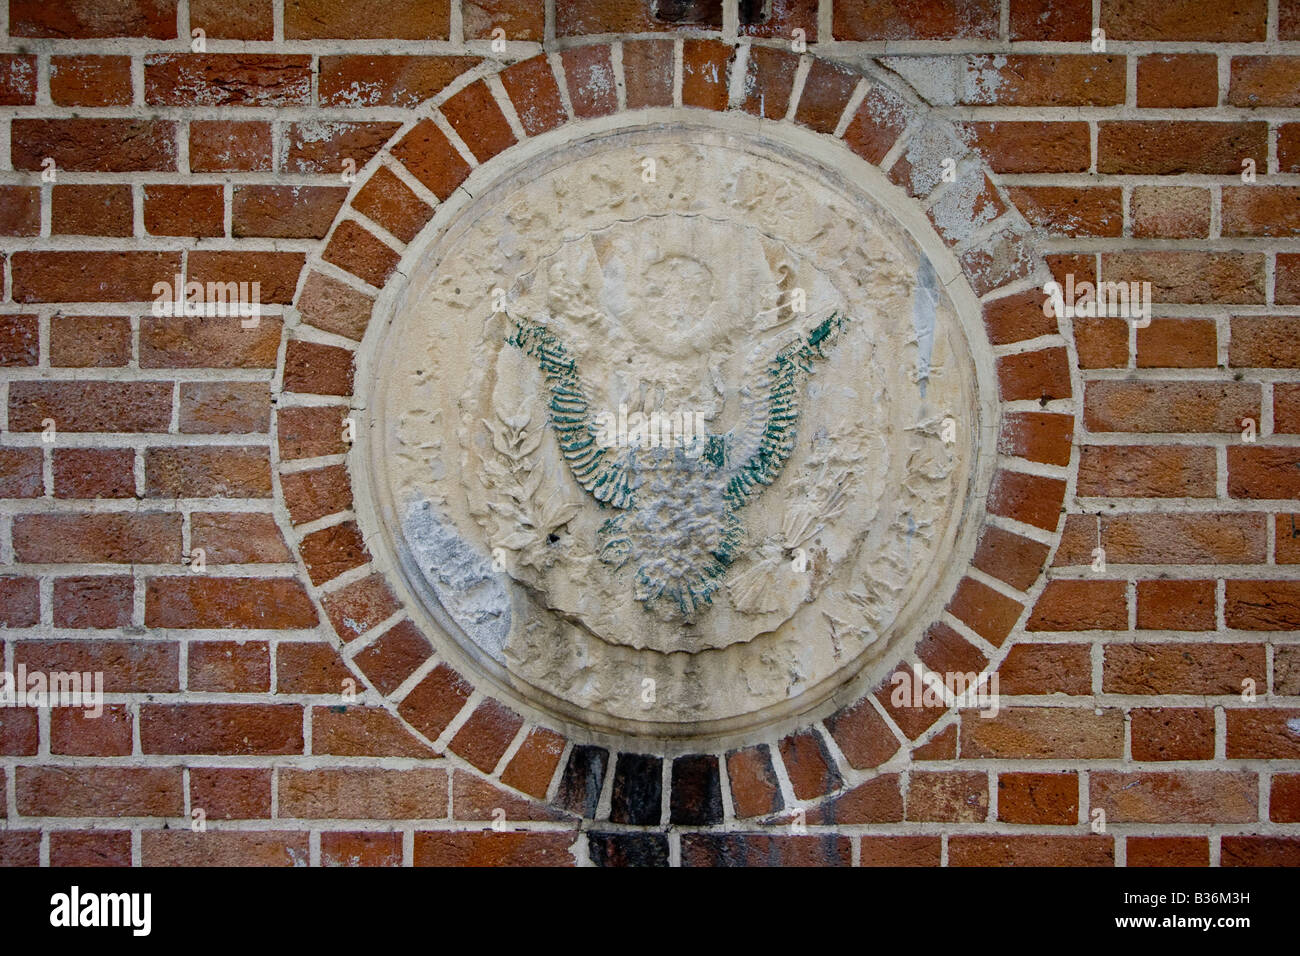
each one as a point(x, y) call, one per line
point(675, 432)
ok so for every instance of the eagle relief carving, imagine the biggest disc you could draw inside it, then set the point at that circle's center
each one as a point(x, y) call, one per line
point(678, 435)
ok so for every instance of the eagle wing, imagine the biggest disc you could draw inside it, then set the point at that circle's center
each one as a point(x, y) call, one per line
point(596, 468)
point(773, 431)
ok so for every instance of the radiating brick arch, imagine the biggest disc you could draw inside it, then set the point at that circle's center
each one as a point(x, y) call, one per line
point(834, 763)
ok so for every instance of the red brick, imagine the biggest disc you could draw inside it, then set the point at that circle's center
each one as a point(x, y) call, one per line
point(21, 473)
point(184, 210)
point(99, 791)
point(1036, 376)
point(1182, 668)
point(1260, 471)
point(1175, 605)
point(769, 81)
point(1031, 850)
point(432, 704)
point(330, 305)
point(394, 657)
point(532, 89)
point(329, 552)
point(387, 200)
point(367, 19)
point(277, 272)
point(759, 849)
point(473, 798)
point(17, 79)
point(1163, 148)
point(1262, 605)
point(1172, 733)
point(1286, 534)
point(20, 848)
point(951, 796)
point(75, 733)
point(533, 765)
point(1178, 343)
point(1034, 147)
point(1009, 557)
point(754, 787)
point(486, 735)
point(431, 159)
point(90, 341)
point(486, 848)
point(357, 608)
point(1167, 851)
point(155, 19)
point(589, 75)
point(1146, 471)
point(1284, 798)
point(1070, 210)
point(20, 211)
point(1184, 538)
point(94, 145)
point(579, 17)
point(94, 472)
point(324, 147)
point(1178, 80)
point(238, 538)
point(809, 766)
point(900, 851)
point(221, 729)
point(285, 212)
point(207, 471)
point(779, 19)
point(1002, 257)
point(1261, 210)
point(1080, 605)
point(826, 92)
point(1169, 406)
point(361, 252)
point(237, 20)
point(197, 602)
point(1042, 798)
point(862, 735)
point(317, 369)
point(1017, 317)
point(879, 800)
point(91, 211)
point(128, 666)
point(359, 793)
point(194, 342)
point(229, 146)
point(239, 408)
point(19, 733)
point(362, 732)
point(1044, 734)
point(1029, 498)
point(1210, 20)
point(90, 848)
point(358, 80)
point(988, 612)
point(1046, 669)
point(119, 538)
point(364, 848)
point(230, 667)
point(475, 116)
point(316, 493)
point(227, 79)
point(1171, 212)
point(937, 20)
point(1287, 282)
point(705, 68)
point(1196, 797)
point(84, 276)
point(97, 601)
point(310, 667)
point(1264, 81)
point(311, 432)
point(224, 848)
point(520, 21)
point(648, 73)
point(231, 793)
point(21, 605)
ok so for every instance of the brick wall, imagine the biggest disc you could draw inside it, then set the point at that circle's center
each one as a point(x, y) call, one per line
point(1159, 686)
